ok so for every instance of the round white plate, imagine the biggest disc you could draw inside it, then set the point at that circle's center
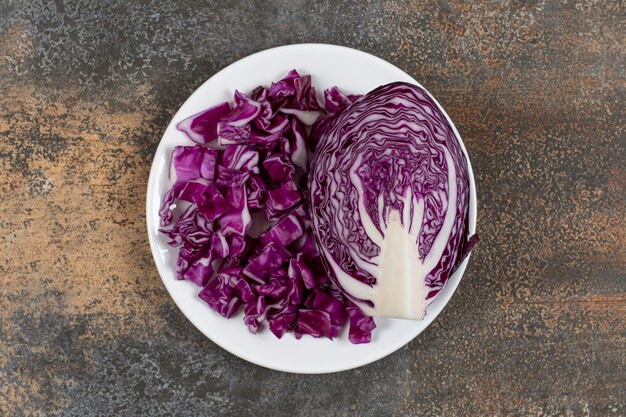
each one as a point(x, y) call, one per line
point(354, 72)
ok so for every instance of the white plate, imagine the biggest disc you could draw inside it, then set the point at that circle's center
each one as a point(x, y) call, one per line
point(355, 72)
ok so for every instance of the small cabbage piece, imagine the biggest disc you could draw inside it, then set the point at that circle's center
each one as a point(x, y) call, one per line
point(234, 128)
point(207, 197)
point(278, 169)
point(281, 199)
point(241, 158)
point(257, 192)
point(202, 127)
point(335, 100)
point(272, 257)
point(239, 247)
point(191, 228)
point(316, 323)
point(295, 145)
point(298, 270)
point(238, 219)
point(389, 194)
point(195, 265)
point(361, 326)
point(331, 305)
point(189, 163)
point(283, 320)
point(288, 229)
point(294, 92)
point(222, 293)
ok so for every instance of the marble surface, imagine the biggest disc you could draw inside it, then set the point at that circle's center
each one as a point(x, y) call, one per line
point(536, 88)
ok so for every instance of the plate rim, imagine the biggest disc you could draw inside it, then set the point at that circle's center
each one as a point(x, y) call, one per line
point(385, 349)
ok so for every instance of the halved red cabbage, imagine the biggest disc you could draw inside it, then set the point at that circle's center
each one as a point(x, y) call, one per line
point(389, 193)
point(250, 166)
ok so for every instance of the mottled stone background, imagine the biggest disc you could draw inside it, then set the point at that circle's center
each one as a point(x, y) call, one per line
point(536, 88)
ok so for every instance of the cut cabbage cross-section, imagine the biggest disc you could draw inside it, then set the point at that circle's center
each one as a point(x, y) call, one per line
point(389, 193)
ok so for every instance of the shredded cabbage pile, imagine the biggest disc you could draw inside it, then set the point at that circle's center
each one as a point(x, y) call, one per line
point(244, 232)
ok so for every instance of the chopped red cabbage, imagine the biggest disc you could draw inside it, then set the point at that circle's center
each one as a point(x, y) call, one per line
point(258, 174)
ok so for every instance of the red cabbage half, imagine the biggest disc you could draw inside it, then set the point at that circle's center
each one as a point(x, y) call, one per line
point(389, 193)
